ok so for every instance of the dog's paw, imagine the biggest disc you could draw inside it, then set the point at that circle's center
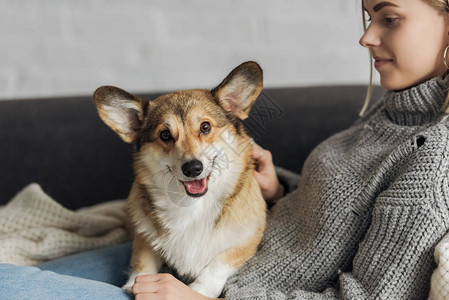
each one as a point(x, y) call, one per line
point(128, 286)
point(204, 290)
point(199, 288)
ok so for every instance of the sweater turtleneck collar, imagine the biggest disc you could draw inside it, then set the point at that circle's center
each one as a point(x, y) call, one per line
point(417, 105)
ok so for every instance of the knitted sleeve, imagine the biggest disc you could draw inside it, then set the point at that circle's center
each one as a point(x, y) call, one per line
point(287, 178)
point(395, 257)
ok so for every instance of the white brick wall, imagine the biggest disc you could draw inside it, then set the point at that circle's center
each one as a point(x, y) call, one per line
point(67, 47)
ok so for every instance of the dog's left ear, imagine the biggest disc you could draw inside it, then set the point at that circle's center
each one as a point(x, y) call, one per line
point(240, 89)
point(121, 111)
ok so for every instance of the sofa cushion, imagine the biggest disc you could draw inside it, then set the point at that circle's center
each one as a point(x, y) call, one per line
point(62, 144)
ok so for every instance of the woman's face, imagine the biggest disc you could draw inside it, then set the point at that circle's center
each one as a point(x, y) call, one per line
point(407, 39)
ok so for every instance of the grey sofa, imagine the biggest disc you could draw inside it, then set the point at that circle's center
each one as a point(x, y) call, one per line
point(63, 145)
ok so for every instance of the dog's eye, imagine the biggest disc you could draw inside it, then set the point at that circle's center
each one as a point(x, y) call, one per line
point(205, 127)
point(165, 135)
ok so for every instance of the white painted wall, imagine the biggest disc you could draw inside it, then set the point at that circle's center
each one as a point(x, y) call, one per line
point(70, 47)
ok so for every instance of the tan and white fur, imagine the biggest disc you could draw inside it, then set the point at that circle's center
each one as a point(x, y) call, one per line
point(194, 204)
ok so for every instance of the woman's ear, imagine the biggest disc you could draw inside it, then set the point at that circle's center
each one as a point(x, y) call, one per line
point(121, 111)
point(240, 89)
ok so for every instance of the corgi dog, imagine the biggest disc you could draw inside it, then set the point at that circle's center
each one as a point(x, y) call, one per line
point(194, 204)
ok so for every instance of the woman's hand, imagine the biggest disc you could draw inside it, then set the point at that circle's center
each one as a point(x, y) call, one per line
point(163, 287)
point(265, 175)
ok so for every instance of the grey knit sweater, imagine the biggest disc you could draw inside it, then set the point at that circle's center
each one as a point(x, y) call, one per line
point(371, 205)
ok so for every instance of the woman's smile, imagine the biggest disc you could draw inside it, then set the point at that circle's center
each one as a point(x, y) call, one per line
point(380, 62)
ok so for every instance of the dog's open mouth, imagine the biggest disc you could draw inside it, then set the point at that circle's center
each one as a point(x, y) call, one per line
point(196, 188)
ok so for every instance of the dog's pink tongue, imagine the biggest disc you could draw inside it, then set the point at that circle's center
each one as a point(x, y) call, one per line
point(196, 186)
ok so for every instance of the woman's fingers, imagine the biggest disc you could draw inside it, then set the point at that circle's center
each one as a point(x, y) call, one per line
point(147, 296)
point(265, 174)
point(146, 284)
point(144, 287)
point(162, 287)
point(148, 278)
point(261, 156)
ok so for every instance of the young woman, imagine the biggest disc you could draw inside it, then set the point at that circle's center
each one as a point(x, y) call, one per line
point(372, 201)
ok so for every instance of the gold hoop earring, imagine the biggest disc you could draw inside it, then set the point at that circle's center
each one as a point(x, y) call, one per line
point(445, 57)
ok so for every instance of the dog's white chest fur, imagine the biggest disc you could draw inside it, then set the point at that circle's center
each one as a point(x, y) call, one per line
point(189, 244)
point(193, 238)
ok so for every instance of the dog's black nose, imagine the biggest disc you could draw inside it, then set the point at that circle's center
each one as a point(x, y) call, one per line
point(192, 168)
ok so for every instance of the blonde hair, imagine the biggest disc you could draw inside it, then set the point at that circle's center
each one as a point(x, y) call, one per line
point(369, 91)
point(440, 5)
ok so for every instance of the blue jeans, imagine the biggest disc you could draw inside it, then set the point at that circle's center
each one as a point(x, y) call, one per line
point(96, 274)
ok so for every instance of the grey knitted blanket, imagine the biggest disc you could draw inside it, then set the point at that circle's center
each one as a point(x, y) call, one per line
point(371, 205)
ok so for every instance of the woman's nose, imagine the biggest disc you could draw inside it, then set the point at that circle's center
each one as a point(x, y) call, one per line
point(370, 38)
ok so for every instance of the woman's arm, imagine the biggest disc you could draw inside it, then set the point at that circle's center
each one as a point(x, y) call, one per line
point(394, 259)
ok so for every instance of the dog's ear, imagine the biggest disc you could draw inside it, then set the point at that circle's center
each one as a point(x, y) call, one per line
point(121, 111)
point(240, 89)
